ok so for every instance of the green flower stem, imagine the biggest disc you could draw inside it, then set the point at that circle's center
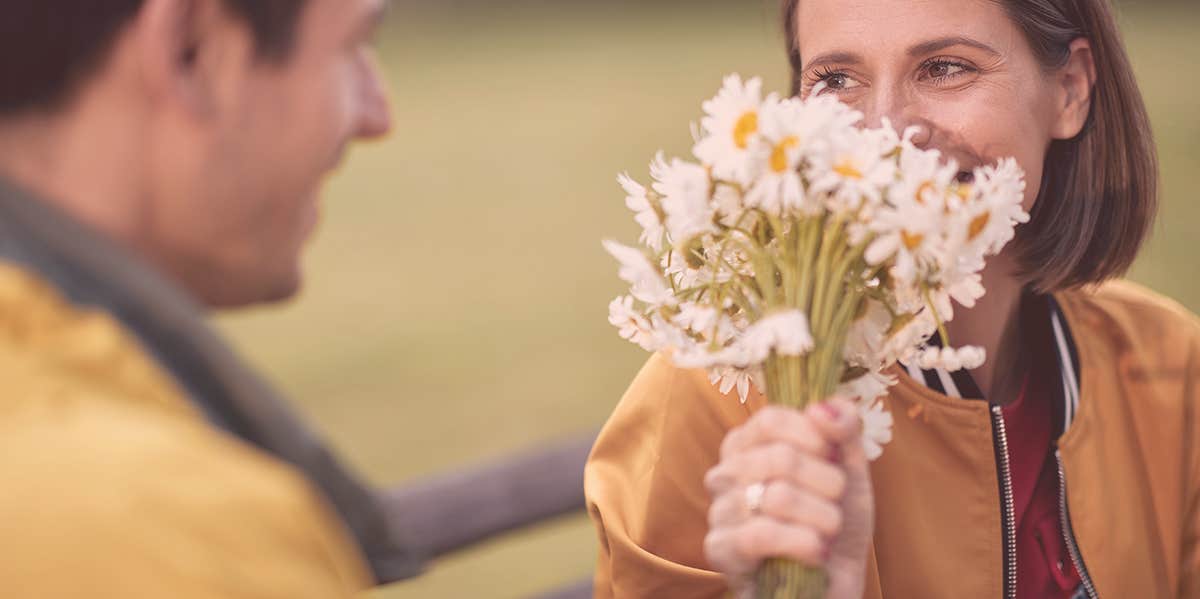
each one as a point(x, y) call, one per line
point(778, 578)
point(941, 326)
point(808, 257)
point(830, 246)
point(782, 579)
point(821, 273)
point(786, 264)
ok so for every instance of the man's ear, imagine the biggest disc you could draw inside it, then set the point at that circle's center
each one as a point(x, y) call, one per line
point(1074, 84)
point(191, 54)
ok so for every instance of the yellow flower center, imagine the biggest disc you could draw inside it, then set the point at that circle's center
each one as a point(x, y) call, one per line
point(779, 156)
point(977, 225)
point(911, 241)
point(926, 186)
point(744, 128)
point(847, 170)
point(964, 192)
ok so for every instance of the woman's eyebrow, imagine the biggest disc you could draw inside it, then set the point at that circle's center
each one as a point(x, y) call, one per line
point(923, 48)
point(942, 43)
point(847, 58)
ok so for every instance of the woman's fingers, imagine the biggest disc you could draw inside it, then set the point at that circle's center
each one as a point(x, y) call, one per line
point(781, 501)
point(837, 420)
point(740, 549)
point(777, 461)
point(791, 484)
point(776, 424)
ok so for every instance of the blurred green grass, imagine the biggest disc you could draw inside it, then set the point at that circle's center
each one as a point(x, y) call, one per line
point(456, 302)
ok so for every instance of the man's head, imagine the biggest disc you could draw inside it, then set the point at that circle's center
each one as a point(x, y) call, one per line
point(196, 131)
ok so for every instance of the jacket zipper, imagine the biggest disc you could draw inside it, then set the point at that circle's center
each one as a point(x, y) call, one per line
point(1000, 435)
point(1069, 534)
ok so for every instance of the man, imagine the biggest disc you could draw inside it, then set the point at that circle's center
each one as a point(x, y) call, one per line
point(159, 158)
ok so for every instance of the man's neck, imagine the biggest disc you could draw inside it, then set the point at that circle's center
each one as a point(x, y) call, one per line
point(86, 166)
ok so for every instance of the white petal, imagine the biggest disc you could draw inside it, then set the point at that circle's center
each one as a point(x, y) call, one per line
point(877, 427)
point(881, 249)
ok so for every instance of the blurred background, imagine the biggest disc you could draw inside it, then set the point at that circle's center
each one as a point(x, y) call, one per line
point(457, 296)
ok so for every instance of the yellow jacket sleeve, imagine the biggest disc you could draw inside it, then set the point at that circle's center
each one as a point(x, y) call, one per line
point(645, 484)
point(102, 499)
point(114, 486)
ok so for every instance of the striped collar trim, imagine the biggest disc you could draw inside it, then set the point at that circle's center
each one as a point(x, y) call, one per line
point(1068, 363)
point(960, 383)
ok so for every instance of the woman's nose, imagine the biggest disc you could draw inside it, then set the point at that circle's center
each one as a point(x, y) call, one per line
point(920, 133)
point(899, 111)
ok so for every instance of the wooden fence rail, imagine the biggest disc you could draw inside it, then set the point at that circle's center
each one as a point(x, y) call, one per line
point(449, 512)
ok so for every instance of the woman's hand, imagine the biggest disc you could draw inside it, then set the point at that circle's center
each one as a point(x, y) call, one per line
point(793, 485)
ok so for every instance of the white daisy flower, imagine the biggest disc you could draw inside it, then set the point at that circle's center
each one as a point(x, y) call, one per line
point(853, 169)
point(646, 282)
point(967, 290)
point(727, 378)
point(972, 356)
point(867, 387)
point(631, 325)
point(780, 188)
point(730, 126)
point(686, 351)
point(909, 231)
point(867, 336)
point(923, 177)
point(694, 355)
point(695, 317)
point(674, 265)
point(786, 333)
point(951, 359)
point(686, 190)
point(907, 299)
point(994, 207)
point(729, 206)
point(903, 343)
point(645, 212)
point(877, 427)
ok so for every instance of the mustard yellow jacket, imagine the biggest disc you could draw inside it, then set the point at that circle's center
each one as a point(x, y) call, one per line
point(1130, 460)
point(114, 486)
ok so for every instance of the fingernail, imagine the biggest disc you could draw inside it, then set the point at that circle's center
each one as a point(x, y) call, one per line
point(831, 411)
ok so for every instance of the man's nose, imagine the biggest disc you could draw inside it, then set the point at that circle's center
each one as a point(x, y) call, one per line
point(375, 110)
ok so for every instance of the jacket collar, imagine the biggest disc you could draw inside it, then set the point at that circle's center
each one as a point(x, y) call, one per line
point(960, 384)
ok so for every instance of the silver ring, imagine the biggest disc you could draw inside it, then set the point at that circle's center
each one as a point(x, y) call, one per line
point(754, 498)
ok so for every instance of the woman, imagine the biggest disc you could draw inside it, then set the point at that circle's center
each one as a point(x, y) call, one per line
point(1068, 465)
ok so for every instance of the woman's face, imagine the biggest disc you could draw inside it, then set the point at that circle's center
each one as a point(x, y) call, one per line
point(961, 70)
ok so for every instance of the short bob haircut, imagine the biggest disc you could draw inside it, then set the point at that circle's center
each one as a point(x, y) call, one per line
point(1099, 191)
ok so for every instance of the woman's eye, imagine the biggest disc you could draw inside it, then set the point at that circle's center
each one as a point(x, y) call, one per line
point(941, 70)
point(836, 81)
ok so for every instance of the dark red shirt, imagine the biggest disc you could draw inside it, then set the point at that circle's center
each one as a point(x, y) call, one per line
point(1044, 566)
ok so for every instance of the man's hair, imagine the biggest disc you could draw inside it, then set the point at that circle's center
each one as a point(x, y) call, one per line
point(1099, 190)
point(49, 47)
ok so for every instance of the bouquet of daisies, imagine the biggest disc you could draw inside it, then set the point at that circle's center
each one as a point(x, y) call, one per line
point(805, 255)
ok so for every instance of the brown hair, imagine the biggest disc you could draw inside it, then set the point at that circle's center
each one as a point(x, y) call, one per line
point(1099, 191)
point(48, 46)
